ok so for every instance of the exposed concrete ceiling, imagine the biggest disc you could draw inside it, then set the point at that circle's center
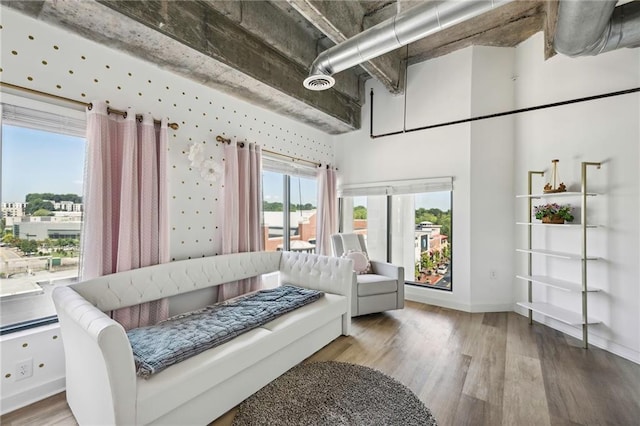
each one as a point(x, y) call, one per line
point(261, 50)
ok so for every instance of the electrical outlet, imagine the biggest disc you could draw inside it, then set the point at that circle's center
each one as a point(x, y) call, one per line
point(24, 369)
point(493, 274)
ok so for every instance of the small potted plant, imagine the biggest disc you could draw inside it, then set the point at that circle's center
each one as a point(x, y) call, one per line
point(553, 213)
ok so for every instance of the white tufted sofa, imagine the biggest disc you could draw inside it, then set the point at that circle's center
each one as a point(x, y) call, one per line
point(102, 387)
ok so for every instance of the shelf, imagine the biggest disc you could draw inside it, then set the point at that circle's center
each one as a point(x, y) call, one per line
point(556, 283)
point(568, 225)
point(556, 194)
point(579, 253)
point(558, 254)
point(551, 311)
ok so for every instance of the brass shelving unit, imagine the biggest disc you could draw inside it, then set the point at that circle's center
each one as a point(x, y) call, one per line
point(576, 319)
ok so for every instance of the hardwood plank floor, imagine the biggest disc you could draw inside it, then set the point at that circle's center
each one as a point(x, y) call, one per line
point(469, 369)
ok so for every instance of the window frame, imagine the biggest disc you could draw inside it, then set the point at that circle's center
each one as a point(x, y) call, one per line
point(390, 189)
point(53, 117)
point(288, 169)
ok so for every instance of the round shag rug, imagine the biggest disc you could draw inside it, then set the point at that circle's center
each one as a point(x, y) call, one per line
point(333, 393)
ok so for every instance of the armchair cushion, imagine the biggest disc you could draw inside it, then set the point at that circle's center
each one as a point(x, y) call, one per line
point(370, 284)
point(352, 242)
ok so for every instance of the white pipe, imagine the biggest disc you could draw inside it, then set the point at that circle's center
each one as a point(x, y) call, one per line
point(594, 27)
point(407, 27)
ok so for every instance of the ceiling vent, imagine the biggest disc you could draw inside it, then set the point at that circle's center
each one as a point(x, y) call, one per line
point(319, 82)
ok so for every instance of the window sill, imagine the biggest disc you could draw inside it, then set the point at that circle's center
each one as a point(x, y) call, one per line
point(28, 325)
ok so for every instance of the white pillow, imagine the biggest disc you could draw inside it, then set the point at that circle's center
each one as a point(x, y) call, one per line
point(361, 262)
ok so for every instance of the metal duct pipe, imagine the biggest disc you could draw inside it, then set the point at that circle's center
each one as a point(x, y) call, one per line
point(594, 27)
point(409, 26)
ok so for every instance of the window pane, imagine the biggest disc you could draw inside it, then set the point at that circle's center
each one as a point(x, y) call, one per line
point(425, 246)
point(303, 196)
point(368, 216)
point(273, 210)
point(42, 207)
point(300, 232)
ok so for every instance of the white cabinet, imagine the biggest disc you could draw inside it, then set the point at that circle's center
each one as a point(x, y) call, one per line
point(534, 248)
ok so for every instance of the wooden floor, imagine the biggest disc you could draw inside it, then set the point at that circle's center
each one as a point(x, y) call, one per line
point(470, 369)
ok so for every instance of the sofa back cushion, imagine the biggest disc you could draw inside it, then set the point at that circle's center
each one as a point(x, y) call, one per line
point(331, 274)
point(142, 285)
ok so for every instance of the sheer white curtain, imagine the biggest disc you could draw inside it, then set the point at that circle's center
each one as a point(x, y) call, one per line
point(327, 216)
point(242, 195)
point(125, 199)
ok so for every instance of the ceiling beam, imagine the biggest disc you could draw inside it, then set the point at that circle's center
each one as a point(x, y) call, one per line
point(280, 26)
point(505, 26)
point(204, 45)
point(211, 33)
point(551, 22)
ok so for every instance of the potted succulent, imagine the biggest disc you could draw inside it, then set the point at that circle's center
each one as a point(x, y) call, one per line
point(553, 213)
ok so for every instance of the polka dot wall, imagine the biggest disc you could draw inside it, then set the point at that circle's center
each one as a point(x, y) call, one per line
point(52, 60)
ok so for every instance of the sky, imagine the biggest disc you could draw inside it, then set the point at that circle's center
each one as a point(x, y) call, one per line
point(301, 189)
point(427, 200)
point(38, 161)
point(434, 200)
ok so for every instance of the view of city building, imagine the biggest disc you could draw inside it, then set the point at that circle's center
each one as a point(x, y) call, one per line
point(420, 233)
point(302, 230)
point(39, 249)
point(432, 256)
point(40, 240)
point(301, 212)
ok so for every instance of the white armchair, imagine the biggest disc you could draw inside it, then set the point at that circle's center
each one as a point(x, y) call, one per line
point(380, 290)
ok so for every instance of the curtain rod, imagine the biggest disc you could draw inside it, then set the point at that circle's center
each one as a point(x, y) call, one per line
point(228, 141)
point(89, 105)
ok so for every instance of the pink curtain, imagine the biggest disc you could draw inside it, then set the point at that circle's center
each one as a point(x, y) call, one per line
point(126, 205)
point(242, 195)
point(327, 215)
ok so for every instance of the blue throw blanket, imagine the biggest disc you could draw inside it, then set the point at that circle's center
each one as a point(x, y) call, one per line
point(168, 342)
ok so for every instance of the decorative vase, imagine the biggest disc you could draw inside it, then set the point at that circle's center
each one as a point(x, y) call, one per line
point(553, 219)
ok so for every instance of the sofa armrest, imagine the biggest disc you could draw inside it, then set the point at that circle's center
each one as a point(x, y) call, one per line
point(389, 270)
point(329, 274)
point(100, 371)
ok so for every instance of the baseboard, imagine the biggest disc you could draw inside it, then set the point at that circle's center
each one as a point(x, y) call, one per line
point(13, 402)
point(491, 307)
point(429, 297)
point(423, 296)
point(595, 340)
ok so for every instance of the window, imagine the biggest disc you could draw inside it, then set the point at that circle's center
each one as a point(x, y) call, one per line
point(425, 248)
point(41, 196)
point(289, 206)
point(273, 213)
point(303, 199)
point(368, 218)
point(407, 223)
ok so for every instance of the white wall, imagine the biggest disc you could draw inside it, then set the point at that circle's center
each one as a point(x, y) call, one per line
point(55, 61)
point(470, 82)
point(44, 350)
point(492, 171)
point(604, 130)
point(434, 153)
